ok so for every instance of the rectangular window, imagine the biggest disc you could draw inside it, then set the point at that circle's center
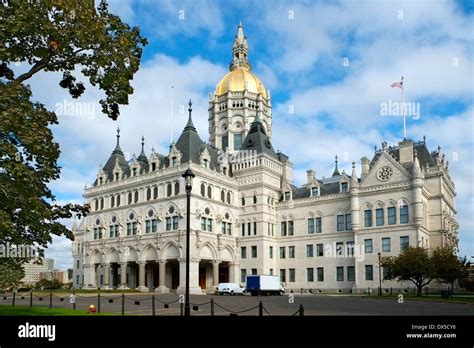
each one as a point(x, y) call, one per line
point(314, 191)
point(134, 228)
point(291, 252)
point(283, 229)
point(229, 228)
point(271, 271)
point(344, 187)
point(243, 252)
point(248, 228)
point(237, 141)
point(111, 231)
point(291, 275)
point(369, 272)
point(384, 273)
point(282, 252)
point(203, 223)
point(254, 251)
point(283, 275)
point(77, 264)
point(392, 215)
point(209, 225)
point(309, 250)
point(254, 271)
point(287, 196)
point(254, 228)
point(339, 249)
point(379, 217)
point(319, 226)
point(319, 249)
point(243, 275)
point(320, 274)
point(340, 274)
point(168, 224)
point(290, 228)
point(348, 222)
point(386, 245)
point(350, 249)
point(368, 218)
point(404, 214)
point(270, 252)
point(147, 226)
point(154, 225)
point(223, 227)
point(351, 275)
point(129, 228)
point(404, 243)
point(243, 229)
point(340, 222)
point(225, 142)
point(368, 247)
point(310, 226)
point(310, 275)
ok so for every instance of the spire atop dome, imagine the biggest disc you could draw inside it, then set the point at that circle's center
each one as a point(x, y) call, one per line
point(117, 149)
point(240, 51)
point(336, 171)
point(190, 124)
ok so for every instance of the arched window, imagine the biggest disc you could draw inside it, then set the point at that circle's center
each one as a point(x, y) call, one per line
point(176, 188)
point(148, 194)
point(131, 224)
point(169, 190)
point(97, 230)
point(101, 203)
point(228, 197)
point(243, 201)
point(403, 213)
point(172, 219)
point(151, 222)
point(136, 197)
point(226, 224)
point(254, 199)
point(96, 205)
point(112, 201)
point(129, 198)
point(203, 189)
point(222, 196)
point(118, 200)
point(207, 220)
point(155, 192)
point(209, 192)
point(114, 228)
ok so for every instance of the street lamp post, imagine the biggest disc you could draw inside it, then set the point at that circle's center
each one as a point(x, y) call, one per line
point(188, 179)
point(380, 275)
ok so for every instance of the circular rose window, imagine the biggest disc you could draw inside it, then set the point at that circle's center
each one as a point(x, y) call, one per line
point(384, 173)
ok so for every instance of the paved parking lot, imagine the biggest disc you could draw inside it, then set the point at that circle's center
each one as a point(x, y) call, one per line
point(141, 304)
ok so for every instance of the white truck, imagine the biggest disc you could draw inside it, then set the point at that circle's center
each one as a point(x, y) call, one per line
point(263, 285)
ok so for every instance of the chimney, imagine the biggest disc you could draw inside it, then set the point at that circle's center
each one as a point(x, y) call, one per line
point(310, 174)
point(406, 151)
point(364, 161)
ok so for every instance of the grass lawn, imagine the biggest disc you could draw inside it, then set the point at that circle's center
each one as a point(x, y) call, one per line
point(42, 311)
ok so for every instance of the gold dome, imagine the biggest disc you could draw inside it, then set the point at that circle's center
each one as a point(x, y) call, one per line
point(237, 79)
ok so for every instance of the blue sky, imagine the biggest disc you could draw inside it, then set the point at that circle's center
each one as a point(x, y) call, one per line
point(332, 62)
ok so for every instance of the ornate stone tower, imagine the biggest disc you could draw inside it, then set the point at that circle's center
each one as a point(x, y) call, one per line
point(237, 99)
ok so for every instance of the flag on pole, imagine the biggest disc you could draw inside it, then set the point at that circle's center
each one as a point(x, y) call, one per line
point(397, 84)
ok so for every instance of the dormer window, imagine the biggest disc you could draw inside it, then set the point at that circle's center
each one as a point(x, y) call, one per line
point(315, 191)
point(206, 163)
point(344, 187)
point(134, 170)
point(153, 167)
point(116, 176)
point(224, 170)
point(174, 161)
point(286, 196)
point(100, 181)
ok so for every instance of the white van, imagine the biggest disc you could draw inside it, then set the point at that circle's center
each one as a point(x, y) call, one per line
point(230, 288)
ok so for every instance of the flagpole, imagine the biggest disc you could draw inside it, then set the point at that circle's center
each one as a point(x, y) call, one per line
point(403, 110)
point(172, 110)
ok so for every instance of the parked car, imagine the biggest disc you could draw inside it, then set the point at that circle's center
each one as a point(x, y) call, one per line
point(230, 288)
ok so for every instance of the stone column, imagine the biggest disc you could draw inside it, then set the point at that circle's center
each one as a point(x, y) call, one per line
point(123, 276)
point(141, 277)
point(233, 273)
point(162, 289)
point(107, 281)
point(193, 277)
point(215, 273)
point(89, 276)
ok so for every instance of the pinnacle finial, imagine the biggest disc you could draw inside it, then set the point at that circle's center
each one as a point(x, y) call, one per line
point(190, 104)
point(336, 170)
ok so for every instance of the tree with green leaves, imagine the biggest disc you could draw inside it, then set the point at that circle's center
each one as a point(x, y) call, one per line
point(413, 264)
point(448, 267)
point(81, 41)
point(11, 273)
